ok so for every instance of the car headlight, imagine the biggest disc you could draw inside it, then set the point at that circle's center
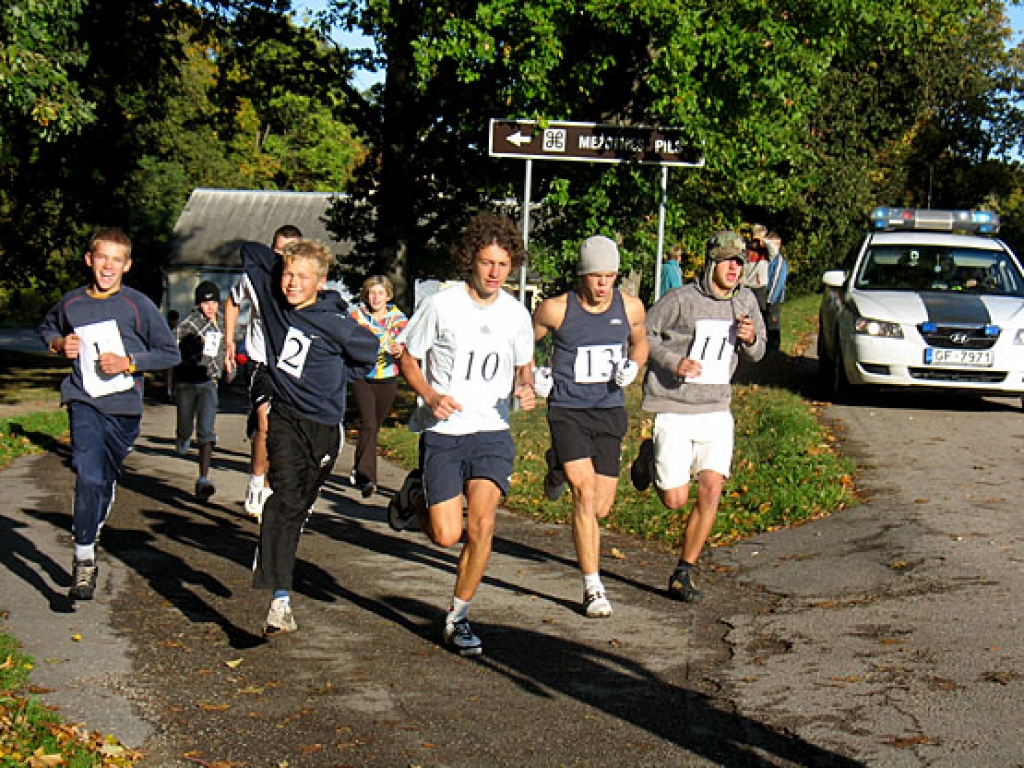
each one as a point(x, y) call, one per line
point(866, 326)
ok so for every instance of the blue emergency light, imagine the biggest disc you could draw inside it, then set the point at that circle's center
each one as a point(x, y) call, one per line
point(971, 222)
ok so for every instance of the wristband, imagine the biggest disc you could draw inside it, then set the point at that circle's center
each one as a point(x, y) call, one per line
point(131, 365)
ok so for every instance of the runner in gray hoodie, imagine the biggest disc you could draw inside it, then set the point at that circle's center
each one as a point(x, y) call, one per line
point(696, 334)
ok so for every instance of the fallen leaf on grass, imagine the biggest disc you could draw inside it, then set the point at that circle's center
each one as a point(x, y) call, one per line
point(40, 760)
point(210, 707)
point(617, 554)
point(233, 663)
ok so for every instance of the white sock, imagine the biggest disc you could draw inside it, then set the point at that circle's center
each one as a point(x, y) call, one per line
point(459, 610)
point(85, 552)
point(256, 481)
point(592, 581)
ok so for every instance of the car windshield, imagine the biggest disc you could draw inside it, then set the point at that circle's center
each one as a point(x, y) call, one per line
point(939, 268)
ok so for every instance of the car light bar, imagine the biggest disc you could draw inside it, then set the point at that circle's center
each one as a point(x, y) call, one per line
point(974, 222)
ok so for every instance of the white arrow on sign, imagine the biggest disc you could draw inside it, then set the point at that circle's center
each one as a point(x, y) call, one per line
point(519, 139)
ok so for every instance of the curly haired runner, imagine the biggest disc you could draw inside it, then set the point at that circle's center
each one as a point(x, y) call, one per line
point(469, 349)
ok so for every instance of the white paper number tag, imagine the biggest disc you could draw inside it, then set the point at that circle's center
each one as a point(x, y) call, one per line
point(211, 343)
point(292, 358)
point(596, 363)
point(94, 340)
point(714, 342)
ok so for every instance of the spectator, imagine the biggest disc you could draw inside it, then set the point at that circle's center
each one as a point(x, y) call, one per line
point(671, 270)
point(778, 272)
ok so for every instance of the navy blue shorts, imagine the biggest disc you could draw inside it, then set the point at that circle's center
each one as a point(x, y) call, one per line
point(593, 433)
point(449, 461)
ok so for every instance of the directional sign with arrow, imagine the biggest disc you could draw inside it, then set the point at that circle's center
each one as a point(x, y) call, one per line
point(591, 142)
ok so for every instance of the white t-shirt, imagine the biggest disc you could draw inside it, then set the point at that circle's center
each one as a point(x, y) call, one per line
point(254, 344)
point(469, 352)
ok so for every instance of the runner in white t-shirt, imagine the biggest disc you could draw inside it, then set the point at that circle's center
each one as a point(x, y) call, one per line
point(469, 350)
point(259, 384)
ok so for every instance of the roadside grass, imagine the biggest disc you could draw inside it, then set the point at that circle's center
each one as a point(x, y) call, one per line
point(33, 735)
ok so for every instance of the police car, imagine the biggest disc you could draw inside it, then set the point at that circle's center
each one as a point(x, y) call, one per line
point(929, 299)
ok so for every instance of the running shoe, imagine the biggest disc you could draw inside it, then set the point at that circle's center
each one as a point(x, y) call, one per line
point(596, 605)
point(182, 446)
point(368, 490)
point(641, 471)
point(255, 498)
point(83, 579)
point(681, 587)
point(204, 489)
point(402, 507)
point(280, 620)
point(458, 636)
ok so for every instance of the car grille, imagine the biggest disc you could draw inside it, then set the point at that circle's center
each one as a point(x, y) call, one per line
point(957, 375)
point(958, 337)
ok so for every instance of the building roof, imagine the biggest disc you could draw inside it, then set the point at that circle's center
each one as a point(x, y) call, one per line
point(215, 223)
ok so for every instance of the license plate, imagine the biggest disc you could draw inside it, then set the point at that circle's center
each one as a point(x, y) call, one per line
point(978, 358)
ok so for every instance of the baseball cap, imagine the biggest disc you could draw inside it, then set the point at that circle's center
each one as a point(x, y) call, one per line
point(598, 254)
point(207, 291)
point(726, 245)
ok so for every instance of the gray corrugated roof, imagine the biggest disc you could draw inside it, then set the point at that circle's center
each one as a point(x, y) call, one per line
point(216, 222)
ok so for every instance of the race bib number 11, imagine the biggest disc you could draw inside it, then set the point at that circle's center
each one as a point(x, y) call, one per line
point(714, 342)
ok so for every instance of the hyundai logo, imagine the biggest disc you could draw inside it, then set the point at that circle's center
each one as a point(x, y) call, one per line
point(959, 338)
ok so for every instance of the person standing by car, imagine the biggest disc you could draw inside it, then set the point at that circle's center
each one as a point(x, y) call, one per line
point(375, 394)
point(778, 272)
point(599, 345)
point(111, 333)
point(696, 335)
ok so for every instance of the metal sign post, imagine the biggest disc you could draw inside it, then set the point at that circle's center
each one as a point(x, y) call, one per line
point(593, 143)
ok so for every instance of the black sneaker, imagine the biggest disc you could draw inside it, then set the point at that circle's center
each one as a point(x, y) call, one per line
point(680, 586)
point(83, 579)
point(554, 480)
point(641, 471)
point(402, 507)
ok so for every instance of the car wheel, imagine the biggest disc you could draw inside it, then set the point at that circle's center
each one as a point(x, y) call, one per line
point(841, 389)
point(825, 371)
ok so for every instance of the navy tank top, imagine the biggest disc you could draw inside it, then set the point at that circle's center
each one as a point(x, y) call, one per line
point(586, 352)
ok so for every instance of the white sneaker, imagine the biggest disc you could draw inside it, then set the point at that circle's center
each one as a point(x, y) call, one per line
point(596, 605)
point(255, 498)
point(279, 618)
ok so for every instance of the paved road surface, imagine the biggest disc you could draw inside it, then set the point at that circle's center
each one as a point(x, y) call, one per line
point(887, 635)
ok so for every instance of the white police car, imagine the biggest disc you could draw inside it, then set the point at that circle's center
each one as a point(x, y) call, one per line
point(929, 299)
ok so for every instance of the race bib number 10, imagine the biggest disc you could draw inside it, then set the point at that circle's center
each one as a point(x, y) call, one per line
point(596, 364)
point(292, 358)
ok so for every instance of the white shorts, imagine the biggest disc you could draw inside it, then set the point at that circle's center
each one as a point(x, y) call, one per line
point(685, 444)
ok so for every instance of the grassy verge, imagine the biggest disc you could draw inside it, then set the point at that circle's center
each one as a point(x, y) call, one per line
point(33, 735)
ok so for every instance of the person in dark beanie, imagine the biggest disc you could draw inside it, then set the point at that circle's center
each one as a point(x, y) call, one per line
point(201, 342)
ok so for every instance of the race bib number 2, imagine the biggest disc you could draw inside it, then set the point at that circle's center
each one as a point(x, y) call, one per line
point(292, 359)
point(597, 363)
point(714, 342)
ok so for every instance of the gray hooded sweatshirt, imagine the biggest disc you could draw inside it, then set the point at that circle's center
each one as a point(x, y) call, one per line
point(674, 323)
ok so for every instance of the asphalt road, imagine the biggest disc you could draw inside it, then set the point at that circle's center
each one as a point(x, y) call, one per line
point(885, 635)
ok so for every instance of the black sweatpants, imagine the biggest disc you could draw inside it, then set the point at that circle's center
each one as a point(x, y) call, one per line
point(302, 454)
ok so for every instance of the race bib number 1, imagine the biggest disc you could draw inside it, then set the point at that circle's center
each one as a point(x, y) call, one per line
point(597, 363)
point(292, 358)
point(714, 342)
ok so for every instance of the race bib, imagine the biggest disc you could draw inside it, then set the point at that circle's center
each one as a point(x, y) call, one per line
point(211, 343)
point(597, 363)
point(95, 339)
point(714, 342)
point(292, 358)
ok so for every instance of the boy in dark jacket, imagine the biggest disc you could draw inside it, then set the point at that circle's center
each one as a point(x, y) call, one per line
point(313, 347)
point(111, 333)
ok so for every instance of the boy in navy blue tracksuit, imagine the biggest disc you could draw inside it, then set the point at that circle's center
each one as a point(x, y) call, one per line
point(313, 347)
point(111, 333)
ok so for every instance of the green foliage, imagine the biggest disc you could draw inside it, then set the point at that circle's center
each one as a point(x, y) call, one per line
point(32, 433)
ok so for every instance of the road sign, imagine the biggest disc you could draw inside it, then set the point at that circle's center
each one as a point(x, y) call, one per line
point(592, 143)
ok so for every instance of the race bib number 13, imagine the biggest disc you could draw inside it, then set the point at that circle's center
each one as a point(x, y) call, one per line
point(597, 363)
point(292, 358)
